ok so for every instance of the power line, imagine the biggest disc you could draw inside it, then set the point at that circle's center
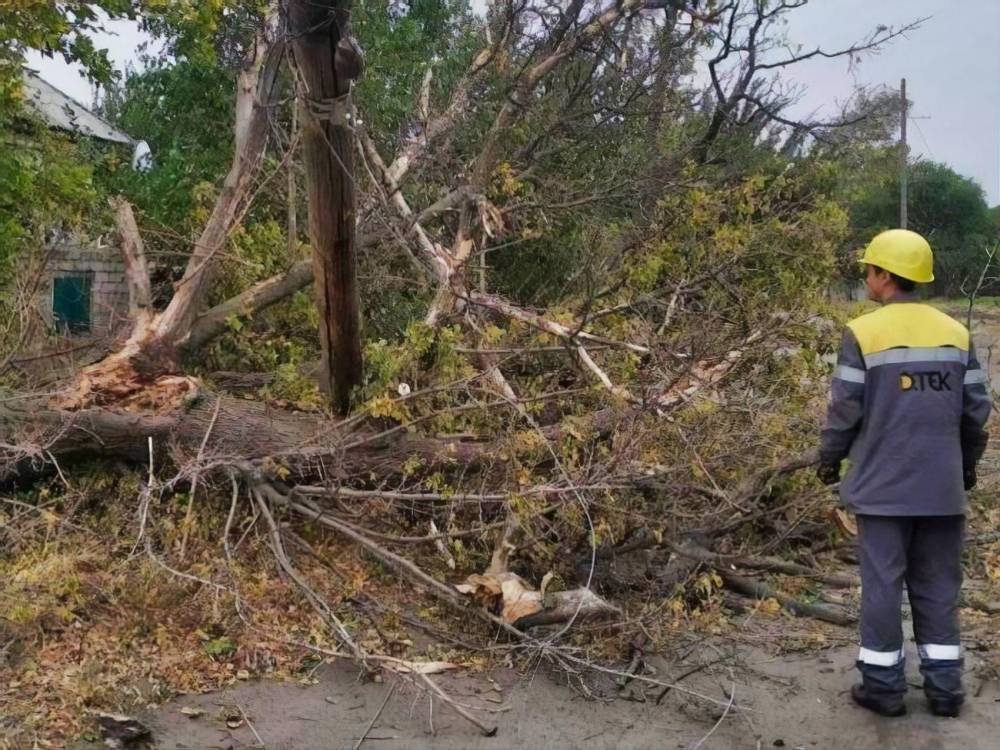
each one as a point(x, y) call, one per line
point(920, 132)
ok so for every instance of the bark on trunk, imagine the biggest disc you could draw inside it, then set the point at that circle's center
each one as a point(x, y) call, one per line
point(31, 434)
point(316, 28)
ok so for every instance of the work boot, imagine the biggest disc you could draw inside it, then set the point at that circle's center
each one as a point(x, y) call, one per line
point(949, 707)
point(881, 703)
point(881, 689)
point(943, 685)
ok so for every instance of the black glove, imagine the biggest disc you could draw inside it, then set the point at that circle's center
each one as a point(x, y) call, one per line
point(828, 473)
point(969, 477)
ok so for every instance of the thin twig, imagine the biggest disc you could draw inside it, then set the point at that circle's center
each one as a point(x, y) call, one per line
point(486, 730)
point(249, 723)
point(364, 736)
point(312, 597)
point(194, 480)
point(725, 713)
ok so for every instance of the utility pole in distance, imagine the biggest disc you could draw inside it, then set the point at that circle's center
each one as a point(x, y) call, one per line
point(903, 154)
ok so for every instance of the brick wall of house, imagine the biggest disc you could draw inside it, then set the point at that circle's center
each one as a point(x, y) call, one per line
point(74, 256)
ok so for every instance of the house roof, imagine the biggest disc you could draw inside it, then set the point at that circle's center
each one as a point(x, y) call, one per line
point(59, 110)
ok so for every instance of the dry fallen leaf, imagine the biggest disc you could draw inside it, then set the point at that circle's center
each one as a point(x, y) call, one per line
point(518, 600)
point(843, 521)
point(509, 590)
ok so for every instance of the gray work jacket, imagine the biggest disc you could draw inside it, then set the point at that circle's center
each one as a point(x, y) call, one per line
point(908, 407)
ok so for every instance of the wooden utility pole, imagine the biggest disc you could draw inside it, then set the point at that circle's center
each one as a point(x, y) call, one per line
point(903, 156)
point(327, 60)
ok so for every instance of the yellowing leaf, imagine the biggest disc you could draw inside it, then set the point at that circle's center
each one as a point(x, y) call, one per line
point(769, 606)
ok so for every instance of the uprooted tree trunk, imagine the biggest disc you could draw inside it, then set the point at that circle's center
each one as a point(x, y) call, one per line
point(234, 430)
point(149, 358)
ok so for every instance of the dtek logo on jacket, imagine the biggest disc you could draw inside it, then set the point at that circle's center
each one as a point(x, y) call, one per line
point(925, 381)
point(908, 405)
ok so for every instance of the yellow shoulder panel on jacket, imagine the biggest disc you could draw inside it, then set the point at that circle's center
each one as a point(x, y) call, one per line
point(907, 324)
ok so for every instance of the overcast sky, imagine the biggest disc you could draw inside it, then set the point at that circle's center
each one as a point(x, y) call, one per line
point(951, 64)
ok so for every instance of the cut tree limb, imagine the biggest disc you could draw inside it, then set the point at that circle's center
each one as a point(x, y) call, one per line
point(576, 605)
point(759, 590)
point(499, 589)
point(257, 298)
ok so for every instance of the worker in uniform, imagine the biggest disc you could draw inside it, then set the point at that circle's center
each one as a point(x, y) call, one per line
point(908, 407)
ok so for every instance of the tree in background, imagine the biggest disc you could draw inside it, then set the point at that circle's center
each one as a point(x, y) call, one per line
point(948, 209)
point(51, 28)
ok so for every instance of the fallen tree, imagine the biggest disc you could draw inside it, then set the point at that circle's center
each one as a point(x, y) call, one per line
point(662, 392)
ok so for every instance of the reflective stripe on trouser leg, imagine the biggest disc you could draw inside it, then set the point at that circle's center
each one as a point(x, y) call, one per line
point(939, 651)
point(880, 658)
point(882, 543)
point(934, 580)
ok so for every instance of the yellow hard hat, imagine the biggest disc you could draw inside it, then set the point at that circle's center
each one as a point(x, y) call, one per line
point(903, 253)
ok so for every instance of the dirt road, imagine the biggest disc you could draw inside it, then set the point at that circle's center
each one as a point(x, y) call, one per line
point(781, 700)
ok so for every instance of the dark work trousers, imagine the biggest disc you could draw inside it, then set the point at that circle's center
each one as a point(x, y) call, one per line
point(925, 552)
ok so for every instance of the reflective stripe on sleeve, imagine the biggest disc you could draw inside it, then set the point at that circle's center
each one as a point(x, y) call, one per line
point(849, 374)
point(880, 658)
point(939, 651)
point(917, 354)
point(973, 377)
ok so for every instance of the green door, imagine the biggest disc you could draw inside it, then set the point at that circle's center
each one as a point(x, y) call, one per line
point(71, 303)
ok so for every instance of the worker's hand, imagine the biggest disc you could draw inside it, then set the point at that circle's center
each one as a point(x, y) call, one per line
point(969, 477)
point(828, 473)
